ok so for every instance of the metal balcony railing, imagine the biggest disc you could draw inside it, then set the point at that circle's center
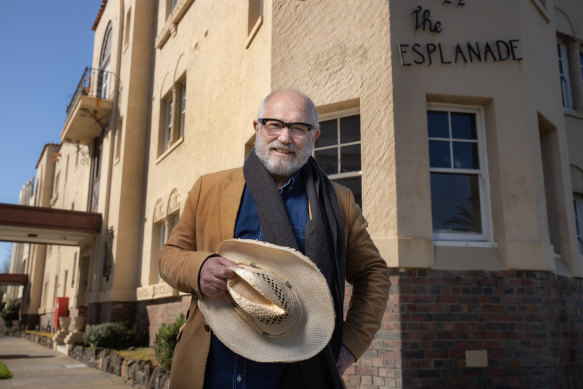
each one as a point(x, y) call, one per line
point(94, 83)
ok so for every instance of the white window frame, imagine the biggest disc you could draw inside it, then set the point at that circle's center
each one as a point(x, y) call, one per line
point(565, 80)
point(337, 116)
point(168, 111)
point(163, 230)
point(483, 180)
point(578, 203)
point(160, 232)
point(182, 109)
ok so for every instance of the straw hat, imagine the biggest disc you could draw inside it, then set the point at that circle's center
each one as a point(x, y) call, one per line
point(277, 308)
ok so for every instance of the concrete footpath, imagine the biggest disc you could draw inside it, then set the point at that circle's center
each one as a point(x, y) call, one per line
point(35, 366)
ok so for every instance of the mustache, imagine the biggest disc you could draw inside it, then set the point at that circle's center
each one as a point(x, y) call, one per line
point(287, 147)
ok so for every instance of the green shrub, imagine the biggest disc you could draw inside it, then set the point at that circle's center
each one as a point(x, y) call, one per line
point(4, 372)
point(166, 341)
point(10, 312)
point(113, 335)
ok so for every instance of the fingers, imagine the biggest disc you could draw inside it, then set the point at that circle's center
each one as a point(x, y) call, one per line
point(214, 275)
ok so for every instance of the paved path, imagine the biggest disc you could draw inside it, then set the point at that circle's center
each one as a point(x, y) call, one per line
point(35, 366)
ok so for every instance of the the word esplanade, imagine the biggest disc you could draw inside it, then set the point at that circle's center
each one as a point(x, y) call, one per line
point(410, 54)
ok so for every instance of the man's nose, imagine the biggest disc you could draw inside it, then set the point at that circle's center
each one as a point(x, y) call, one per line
point(285, 135)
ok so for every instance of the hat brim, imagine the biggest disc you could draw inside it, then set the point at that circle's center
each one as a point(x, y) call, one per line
point(313, 330)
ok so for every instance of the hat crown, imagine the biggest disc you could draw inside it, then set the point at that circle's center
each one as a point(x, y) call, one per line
point(264, 299)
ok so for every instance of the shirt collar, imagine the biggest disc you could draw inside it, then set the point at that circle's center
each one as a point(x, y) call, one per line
point(289, 185)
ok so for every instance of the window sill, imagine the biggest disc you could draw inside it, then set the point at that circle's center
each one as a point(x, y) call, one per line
point(156, 291)
point(256, 27)
point(172, 20)
point(453, 243)
point(541, 9)
point(573, 113)
point(170, 150)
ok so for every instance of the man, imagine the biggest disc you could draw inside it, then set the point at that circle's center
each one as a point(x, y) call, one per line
point(280, 196)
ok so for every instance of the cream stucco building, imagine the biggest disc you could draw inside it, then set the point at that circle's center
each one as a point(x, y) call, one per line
point(458, 124)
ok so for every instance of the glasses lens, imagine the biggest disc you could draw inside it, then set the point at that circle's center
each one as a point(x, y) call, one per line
point(275, 127)
point(299, 129)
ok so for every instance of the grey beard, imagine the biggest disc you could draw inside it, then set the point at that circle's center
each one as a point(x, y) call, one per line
point(282, 167)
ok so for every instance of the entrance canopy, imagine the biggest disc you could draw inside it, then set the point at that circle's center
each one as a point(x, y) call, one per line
point(26, 224)
point(13, 279)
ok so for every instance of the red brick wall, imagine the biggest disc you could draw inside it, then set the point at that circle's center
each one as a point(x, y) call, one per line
point(530, 324)
point(157, 312)
point(124, 311)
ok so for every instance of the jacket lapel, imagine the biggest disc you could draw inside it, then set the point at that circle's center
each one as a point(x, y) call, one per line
point(231, 194)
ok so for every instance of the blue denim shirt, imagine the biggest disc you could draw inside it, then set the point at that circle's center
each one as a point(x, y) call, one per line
point(226, 369)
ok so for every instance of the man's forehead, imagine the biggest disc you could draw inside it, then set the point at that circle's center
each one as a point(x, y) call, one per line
point(287, 101)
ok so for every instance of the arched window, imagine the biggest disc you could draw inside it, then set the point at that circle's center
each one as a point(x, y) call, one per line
point(104, 60)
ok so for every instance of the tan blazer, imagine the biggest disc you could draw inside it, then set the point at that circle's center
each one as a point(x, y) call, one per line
point(209, 217)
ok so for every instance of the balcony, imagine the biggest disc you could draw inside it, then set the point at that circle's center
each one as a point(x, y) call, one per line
point(90, 108)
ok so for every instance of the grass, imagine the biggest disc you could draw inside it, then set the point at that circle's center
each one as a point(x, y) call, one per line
point(139, 353)
point(4, 372)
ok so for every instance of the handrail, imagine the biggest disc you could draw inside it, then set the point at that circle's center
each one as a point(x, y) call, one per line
point(96, 83)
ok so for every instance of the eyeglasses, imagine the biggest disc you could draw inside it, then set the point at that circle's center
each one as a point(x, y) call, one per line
point(275, 127)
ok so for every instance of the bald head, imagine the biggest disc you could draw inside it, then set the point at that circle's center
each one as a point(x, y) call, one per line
point(283, 98)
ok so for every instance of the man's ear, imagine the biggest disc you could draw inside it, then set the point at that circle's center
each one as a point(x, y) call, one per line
point(256, 126)
point(316, 135)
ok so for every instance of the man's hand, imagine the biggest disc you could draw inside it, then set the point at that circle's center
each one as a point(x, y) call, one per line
point(214, 275)
point(345, 359)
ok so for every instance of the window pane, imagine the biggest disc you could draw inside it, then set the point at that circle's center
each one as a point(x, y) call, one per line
point(455, 200)
point(162, 236)
point(355, 185)
point(463, 126)
point(465, 155)
point(439, 155)
point(328, 134)
point(578, 199)
point(168, 129)
point(328, 160)
point(437, 124)
point(182, 110)
point(350, 129)
point(350, 158)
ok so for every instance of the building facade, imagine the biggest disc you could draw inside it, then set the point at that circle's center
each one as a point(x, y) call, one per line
point(458, 124)
point(20, 251)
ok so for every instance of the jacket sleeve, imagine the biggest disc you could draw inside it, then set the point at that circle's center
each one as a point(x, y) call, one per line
point(368, 274)
point(180, 260)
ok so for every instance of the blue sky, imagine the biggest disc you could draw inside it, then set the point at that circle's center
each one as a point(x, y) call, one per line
point(45, 45)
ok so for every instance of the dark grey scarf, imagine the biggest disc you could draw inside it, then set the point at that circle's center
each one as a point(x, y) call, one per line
point(324, 246)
